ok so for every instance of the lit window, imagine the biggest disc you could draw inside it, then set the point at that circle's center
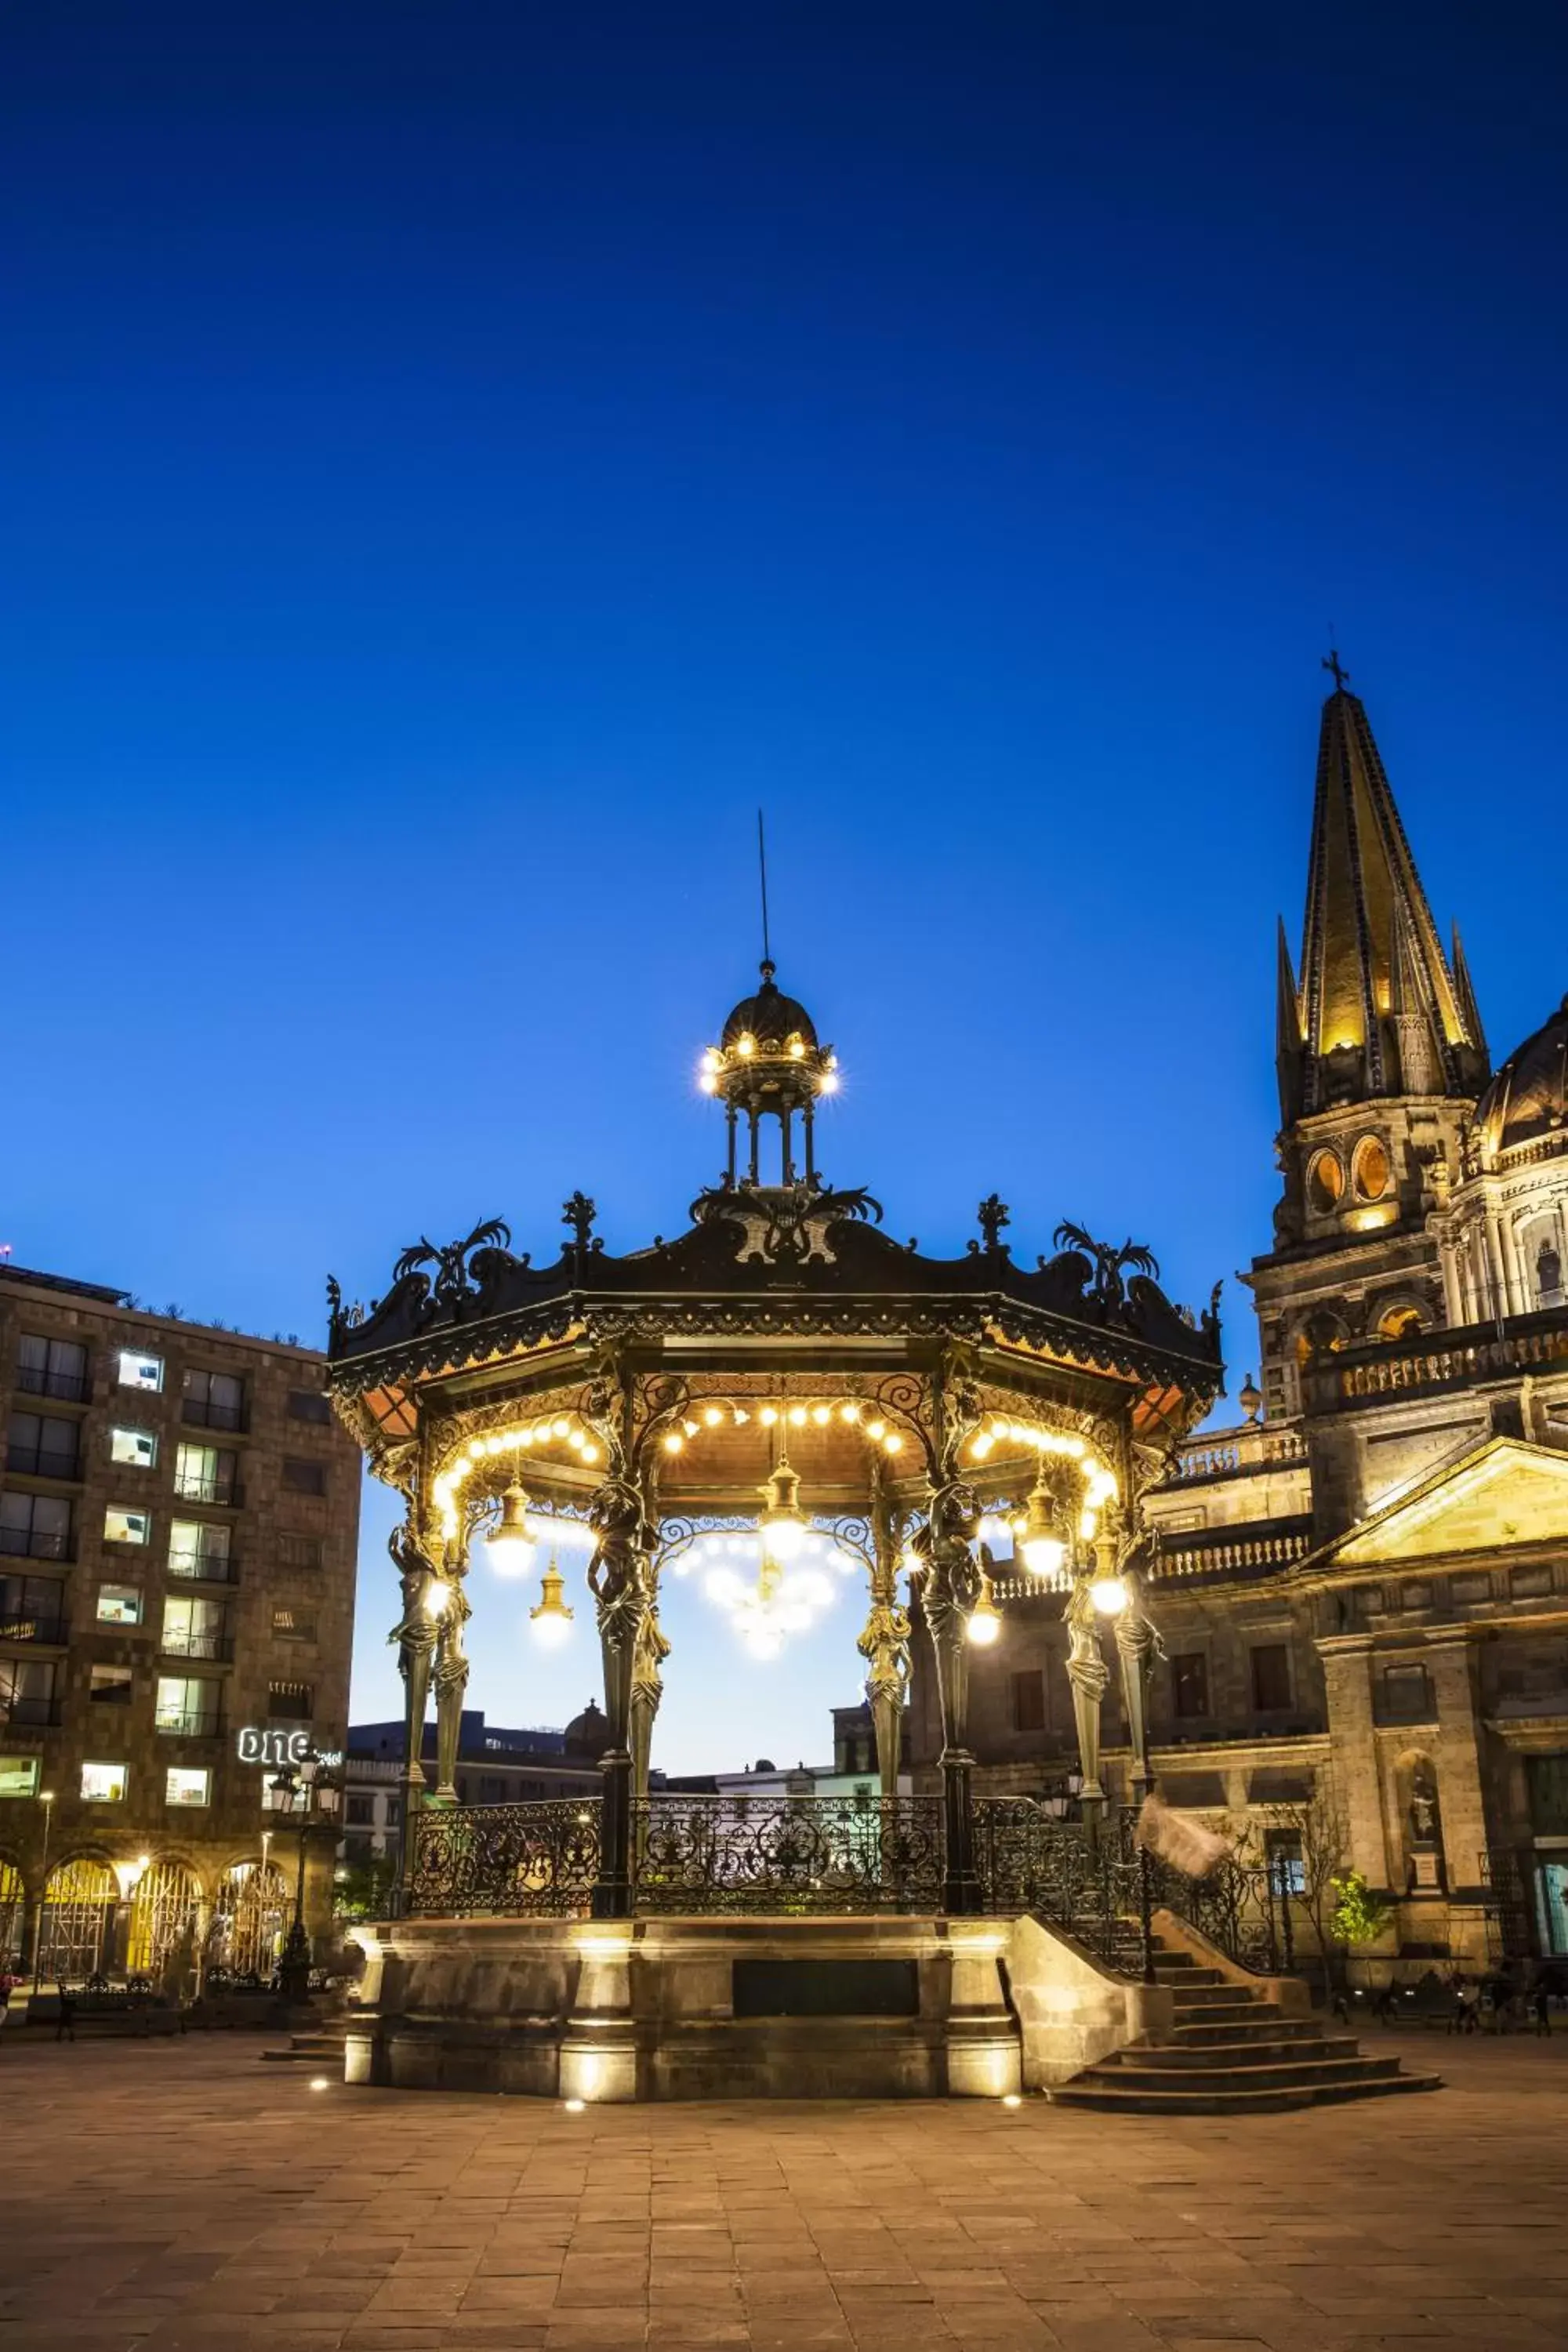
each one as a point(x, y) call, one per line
point(119, 1604)
point(1369, 1169)
point(187, 1704)
point(290, 1701)
point(127, 1526)
point(111, 1685)
point(1325, 1183)
point(1400, 1323)
point(293, 1625)
point(137, 1446)
point(205, 1473)
point(18, 1776)
point(196, 1548)
point(103, 1784)
point(138, 1372)
point(182, 1786)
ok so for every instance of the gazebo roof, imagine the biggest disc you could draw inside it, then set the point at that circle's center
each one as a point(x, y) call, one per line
point(789, 1263)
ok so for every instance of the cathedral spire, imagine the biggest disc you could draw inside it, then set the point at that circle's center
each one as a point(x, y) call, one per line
point(1464, 988)
point(1381, 1012)
point(1286, 1030)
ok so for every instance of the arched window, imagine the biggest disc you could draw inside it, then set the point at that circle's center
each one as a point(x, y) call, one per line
point(1401, 1321)
point(11, 1910)
point(247, 1921)
point(1370, 1171)
point(1325, 1181)
point(1321, 1334)
point(78, 1905)
point(1548, 1275)
point(162, 1912)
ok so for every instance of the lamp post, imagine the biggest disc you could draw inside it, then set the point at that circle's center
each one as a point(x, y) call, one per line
point(46, 1799)
point(306, 1793)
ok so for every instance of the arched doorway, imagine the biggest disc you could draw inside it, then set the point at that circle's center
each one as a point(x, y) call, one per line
point(163, 1911)
point(12, 1909)
point(79, 1907)
point(249, 1920)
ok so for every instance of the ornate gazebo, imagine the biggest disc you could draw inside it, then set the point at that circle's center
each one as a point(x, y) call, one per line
point(779, 1396)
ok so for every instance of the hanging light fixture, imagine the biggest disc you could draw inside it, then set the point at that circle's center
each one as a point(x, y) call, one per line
point(1109, 1594)
point(1040, 1547)
point(551, 1621)
point(782, 1525)
point(510, 1546)
point(984, 1619)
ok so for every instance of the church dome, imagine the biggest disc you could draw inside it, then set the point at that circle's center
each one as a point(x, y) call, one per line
point(588, 1734)
point(769, 1017)
point(1528, 1095)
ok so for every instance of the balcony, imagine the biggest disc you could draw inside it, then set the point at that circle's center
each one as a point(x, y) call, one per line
point(191, 1723)
point(42, 1462)
point(32, 1627)
point(199, 1412)
point(1241, 1453)
point(1256, 1548)
point(70, 1388)
point(1432, 1362)
point(29, 1714)
point(194, 1487)
point(36, 1543)
point(203, 1567)
point(219, 1647)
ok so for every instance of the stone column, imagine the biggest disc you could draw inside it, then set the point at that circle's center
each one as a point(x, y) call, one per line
point(950, 1587)
point(1460, 1794)
point(1347, 1676)
point(1453, 1302)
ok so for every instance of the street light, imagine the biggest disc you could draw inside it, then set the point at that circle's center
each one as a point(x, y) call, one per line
point(46, 1799)
point(294, 1966)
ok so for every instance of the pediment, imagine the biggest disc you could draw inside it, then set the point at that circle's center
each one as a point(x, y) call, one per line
point(1501, 1494)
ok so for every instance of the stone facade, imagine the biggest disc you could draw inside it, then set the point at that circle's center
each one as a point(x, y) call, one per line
point(1361, 1589)
point(179, 1519)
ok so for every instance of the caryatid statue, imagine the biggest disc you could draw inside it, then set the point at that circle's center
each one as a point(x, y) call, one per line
point(618, 1579)
point(1089, 1677)
point(416, 1636)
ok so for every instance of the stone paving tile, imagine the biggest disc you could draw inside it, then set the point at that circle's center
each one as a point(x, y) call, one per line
point(184, 2199)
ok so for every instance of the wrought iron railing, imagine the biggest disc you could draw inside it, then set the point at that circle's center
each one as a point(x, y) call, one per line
point(788, 1854)
point(800, 1855)
point(539, 1858)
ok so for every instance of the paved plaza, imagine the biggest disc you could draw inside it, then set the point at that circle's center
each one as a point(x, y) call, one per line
point(184, 2198)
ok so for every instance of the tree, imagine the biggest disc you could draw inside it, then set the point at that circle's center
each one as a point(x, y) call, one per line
point(365, 1891)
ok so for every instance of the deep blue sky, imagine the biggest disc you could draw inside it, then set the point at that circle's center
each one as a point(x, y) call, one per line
point(459, 461)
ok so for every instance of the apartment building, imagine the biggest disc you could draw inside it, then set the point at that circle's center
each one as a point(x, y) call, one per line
point(179, 1519)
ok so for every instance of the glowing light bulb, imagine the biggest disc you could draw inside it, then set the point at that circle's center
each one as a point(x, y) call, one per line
point(707, 1082)
point(984, 1619)
point(746, 1045)
point(673, 1441)
point(711, 1060)
point(768, 1415)
point(551, 1621)
point(712, 1416)
point(798, 1416)
point(821, 1414)
point(510, 1547)
point(1108, 1595)
point(436, 1595)
point(827, 1084)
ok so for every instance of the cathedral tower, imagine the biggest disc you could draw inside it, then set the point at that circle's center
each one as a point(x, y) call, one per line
point(1381, 1056)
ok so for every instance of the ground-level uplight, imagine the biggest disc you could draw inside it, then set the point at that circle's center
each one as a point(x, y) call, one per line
point(576, 2106)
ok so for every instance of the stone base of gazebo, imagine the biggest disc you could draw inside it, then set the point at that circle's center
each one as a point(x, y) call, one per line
point(742, 2007)
point(737, 2007)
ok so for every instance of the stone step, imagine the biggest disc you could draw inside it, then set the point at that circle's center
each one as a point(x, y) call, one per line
point(1200, 2101)
point(1186, 2058)
point(1219, 1995)
point(1301, 2074)
point(1250, 2025)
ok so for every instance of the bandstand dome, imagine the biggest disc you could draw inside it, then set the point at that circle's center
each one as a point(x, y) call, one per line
point(770, 1016)
point(1528, 1095)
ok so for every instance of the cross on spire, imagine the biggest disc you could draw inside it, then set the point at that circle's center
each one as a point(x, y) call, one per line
point(1341, 676)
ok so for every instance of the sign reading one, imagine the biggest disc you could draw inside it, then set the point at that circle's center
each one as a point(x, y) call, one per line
point(256, 1746)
